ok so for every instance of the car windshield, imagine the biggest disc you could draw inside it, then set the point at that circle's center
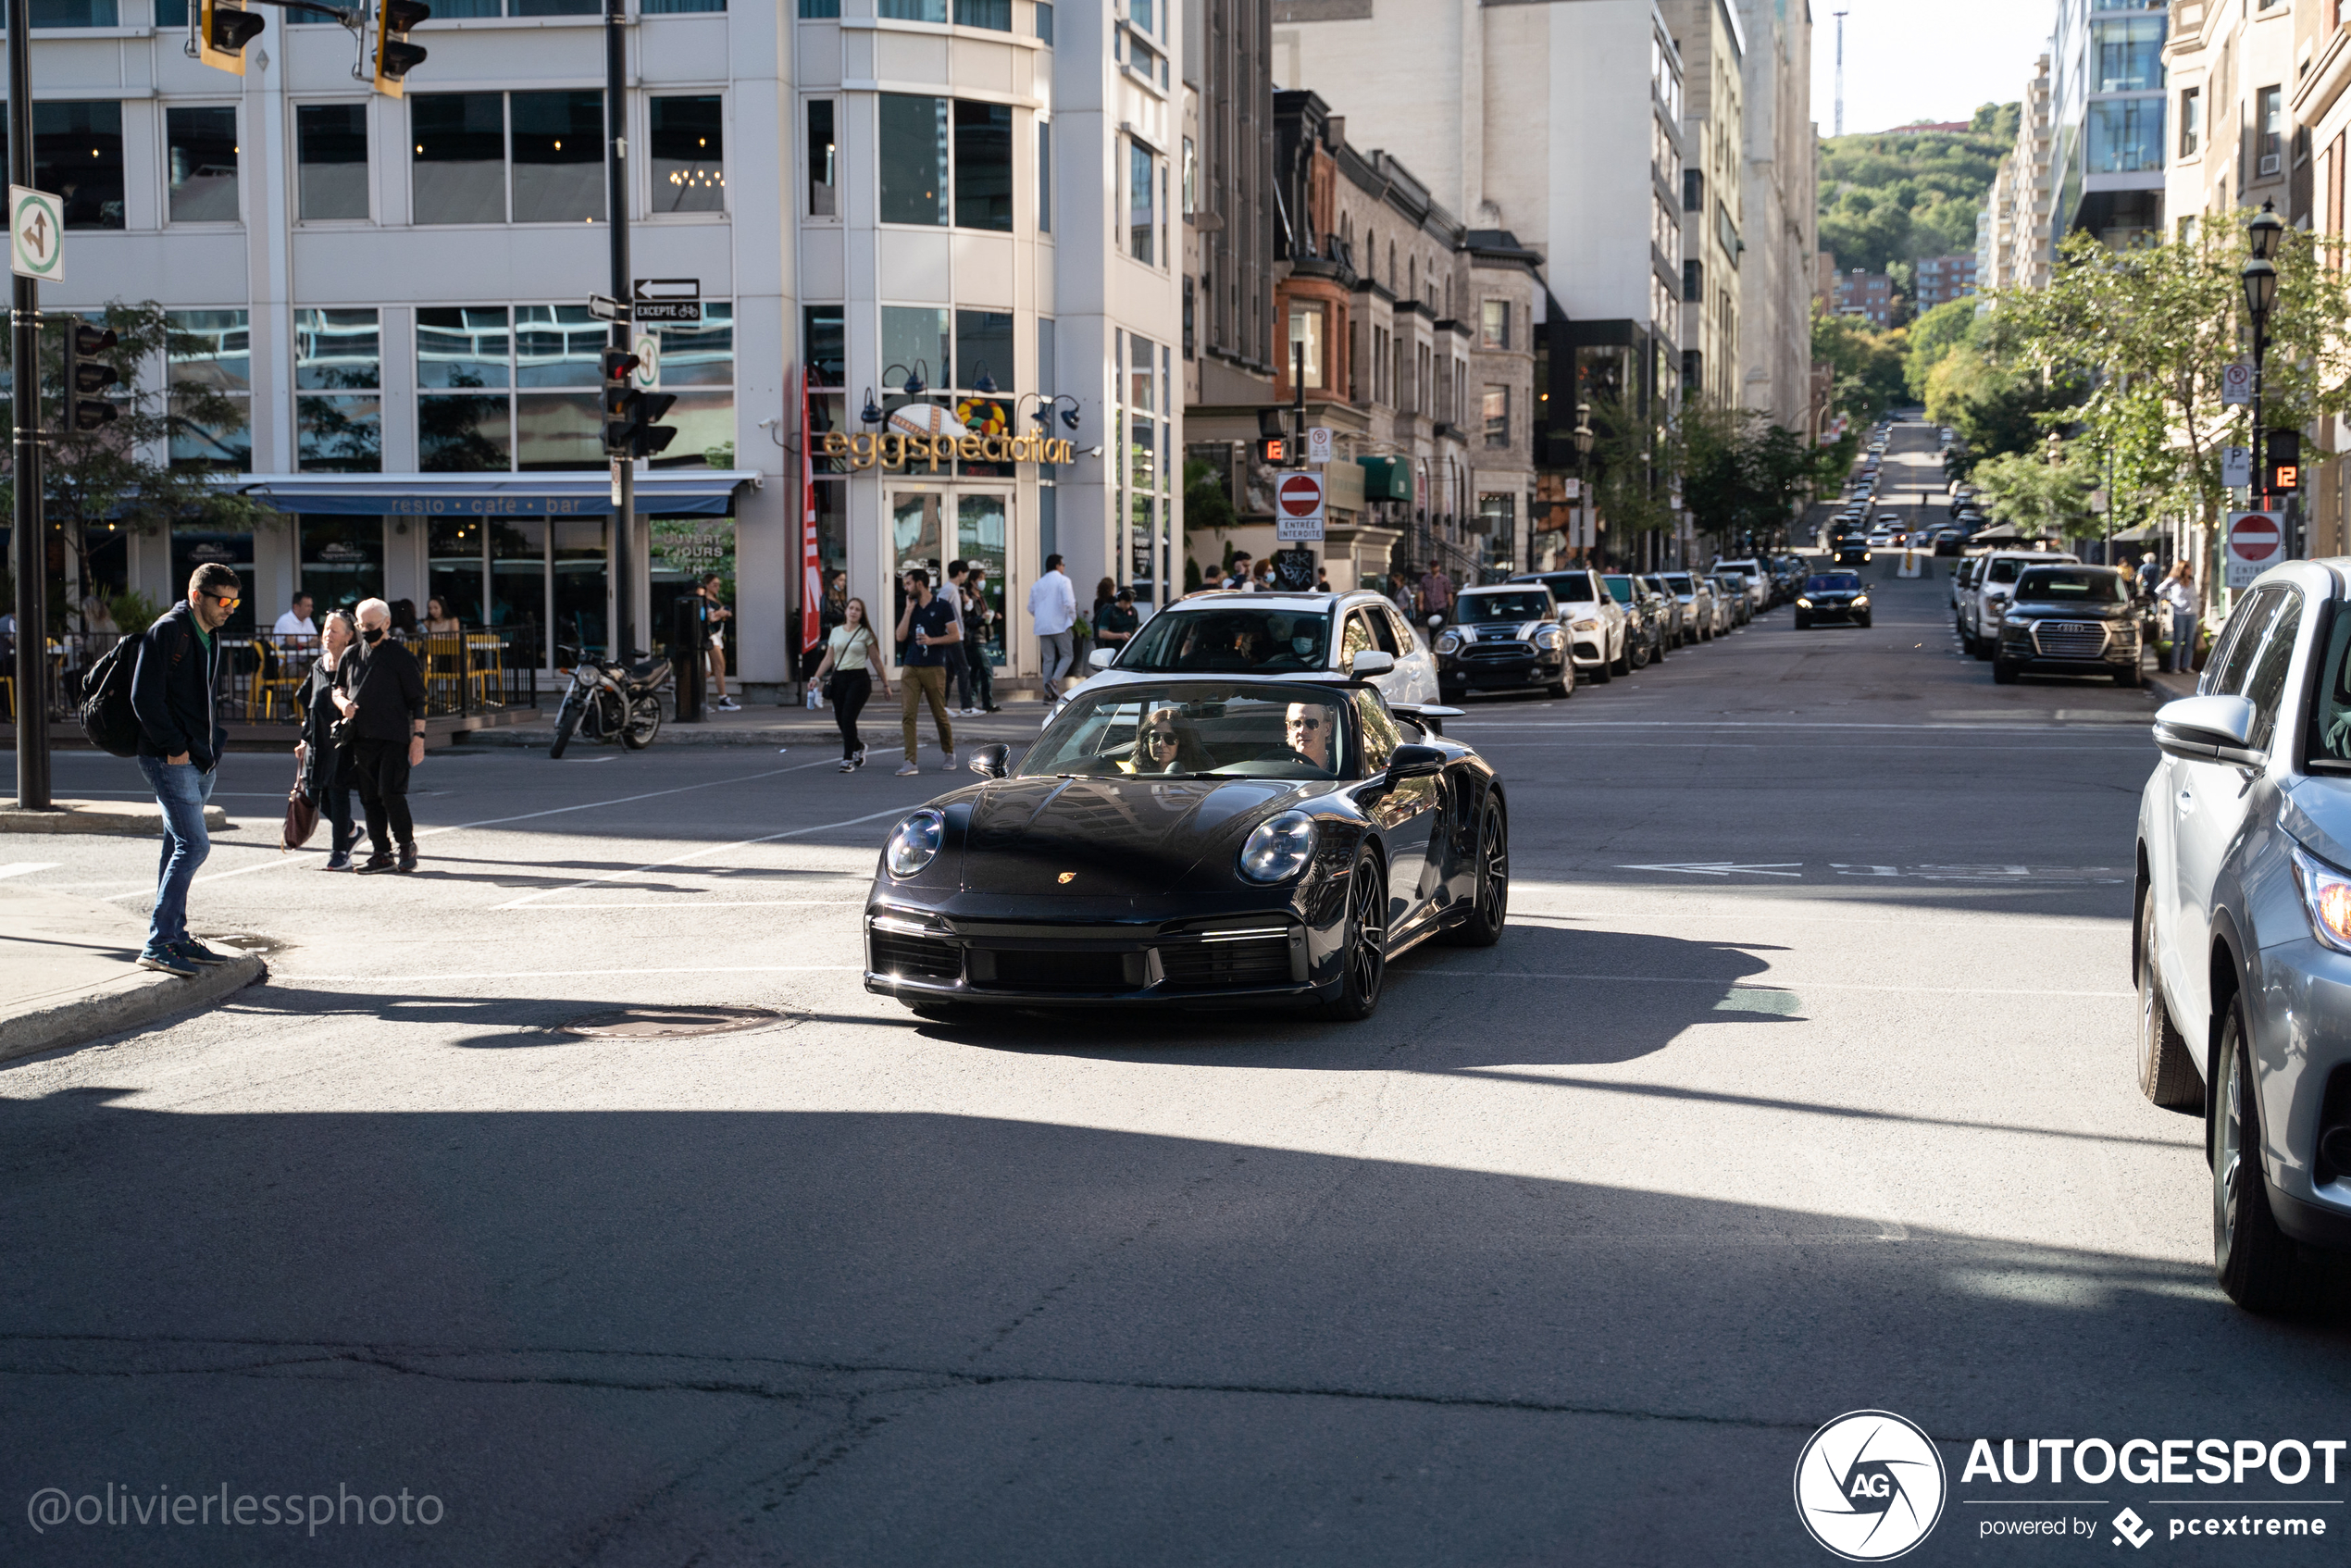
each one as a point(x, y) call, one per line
point(1678, 581)
point(1832, 582)
point(1619, 588)
point(1518, 606)
point(1194, 729)
point(2085, 585)
point(1569, 588)
point(1230, 640)
point(2001, 571)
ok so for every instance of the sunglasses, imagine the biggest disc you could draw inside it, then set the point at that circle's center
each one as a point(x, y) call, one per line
point(231, 602)
point(1306, 724)
point(1163, 736)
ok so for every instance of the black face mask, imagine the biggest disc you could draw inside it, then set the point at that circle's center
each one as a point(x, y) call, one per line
point(373, 635)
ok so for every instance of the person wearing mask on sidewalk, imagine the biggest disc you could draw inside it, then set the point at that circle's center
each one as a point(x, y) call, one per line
point(180, 739)
point(2178, 595)
point(1052, 611)
point(927, 630)
point(1117, 622)
point(1436, 591)
point(326, 762)
point(979, 623)
point(852, 657)
point(383, 705)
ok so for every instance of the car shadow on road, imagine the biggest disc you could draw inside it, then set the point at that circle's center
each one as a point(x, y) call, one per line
point(1544, 996)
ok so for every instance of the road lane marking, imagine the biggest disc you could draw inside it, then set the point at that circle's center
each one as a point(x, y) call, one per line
point(26, 867)
point(1724, 867)
point(606, 973)
point(685, 905)
point(706, 850)
point(298, 856)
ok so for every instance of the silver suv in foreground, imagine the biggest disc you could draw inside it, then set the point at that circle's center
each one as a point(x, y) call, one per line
point(2242, 946)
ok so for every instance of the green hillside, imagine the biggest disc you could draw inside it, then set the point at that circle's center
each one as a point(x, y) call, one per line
point(1892, 196)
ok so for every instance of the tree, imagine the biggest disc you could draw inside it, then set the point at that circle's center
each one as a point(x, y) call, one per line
point(1742, 477)
point(1931, 337)
point(2042, 494)
point(111, 474)
point(1867, 362)
point(1995, 409)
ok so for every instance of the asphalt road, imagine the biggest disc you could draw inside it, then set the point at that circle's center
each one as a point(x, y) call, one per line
point(1801, 1083)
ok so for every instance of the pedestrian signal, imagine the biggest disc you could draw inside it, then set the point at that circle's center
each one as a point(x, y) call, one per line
point(223, 28)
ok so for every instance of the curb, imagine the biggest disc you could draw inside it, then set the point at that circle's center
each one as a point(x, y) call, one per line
point(142, 996)
point(137, 819)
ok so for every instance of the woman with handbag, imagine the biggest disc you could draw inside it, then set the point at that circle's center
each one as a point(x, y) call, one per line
point(851, 670)
point(324, 758)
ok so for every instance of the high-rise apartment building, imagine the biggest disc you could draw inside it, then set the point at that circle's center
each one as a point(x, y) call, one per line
point(1713, 197)
point(1781, 230)
point(2107, 117)
point(1938, 280)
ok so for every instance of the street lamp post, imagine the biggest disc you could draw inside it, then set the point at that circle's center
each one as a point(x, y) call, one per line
point(1583, 471)
point(2260, 279)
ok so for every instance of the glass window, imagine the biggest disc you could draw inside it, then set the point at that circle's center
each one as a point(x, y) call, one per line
point(561, 345)
point(579, 582)
point(338, 411)
point(213, 349)
point(517, 572)
point(1693, 190)
point(1044, 176)
point(77, 153)
point(913, 158)
point(1139, 224)
point(984, 343)
point(2126, 135)
point(1143, 15)
point(825, 344)
point(912, 11)
point(1496, 407)
point(698, 353)
point(79, 13)
point(2269, 112)
point(331, 159)
point(549, 8)
point(1305, 334)
point(559, 157)
point(458, 173)
point(689, 153)
point(1045, 23)
point(996, 14)
point(343, 560)
point(1494, 323)
point(823, 172)
point(466, 348)
point(2191, 122)
point(1693, 280)
point(564, 431)
point(819, 10)
point(915, 338)
point(463, 434)
point(983, 165)
point(200, 165)
point(2231, 658)
point(2266, 684)
point(674, 7)
point(1048, 382)
point(2129, 55)
point(462, 346)
point(454, 567)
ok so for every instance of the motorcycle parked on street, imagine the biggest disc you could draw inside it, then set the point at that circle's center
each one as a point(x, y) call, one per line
point(611, 702)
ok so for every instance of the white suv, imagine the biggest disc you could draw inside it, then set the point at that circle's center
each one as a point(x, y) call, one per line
point(1995, 584)
point(1759, 581)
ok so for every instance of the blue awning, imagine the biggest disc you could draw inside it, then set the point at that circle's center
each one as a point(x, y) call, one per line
point(664, 493)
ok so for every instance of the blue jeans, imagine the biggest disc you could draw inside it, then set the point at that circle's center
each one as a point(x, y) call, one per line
point(181, 791)
point(2184, 626)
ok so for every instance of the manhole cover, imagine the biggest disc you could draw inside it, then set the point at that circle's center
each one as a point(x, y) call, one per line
point(668, 1023)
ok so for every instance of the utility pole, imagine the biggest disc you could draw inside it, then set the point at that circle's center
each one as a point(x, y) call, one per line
point(32, 534)
point(1840, 74)
point(624, 465)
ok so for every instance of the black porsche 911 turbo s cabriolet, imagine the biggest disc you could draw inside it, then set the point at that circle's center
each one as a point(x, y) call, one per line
point(1194, 842)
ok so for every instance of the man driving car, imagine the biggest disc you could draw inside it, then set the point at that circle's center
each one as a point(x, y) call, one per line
point(1308, 727)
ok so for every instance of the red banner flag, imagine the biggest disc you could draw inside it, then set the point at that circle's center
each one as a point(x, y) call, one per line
point(812, 570)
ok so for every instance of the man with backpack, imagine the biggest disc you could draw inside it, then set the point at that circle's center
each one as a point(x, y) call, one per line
point(181, 738)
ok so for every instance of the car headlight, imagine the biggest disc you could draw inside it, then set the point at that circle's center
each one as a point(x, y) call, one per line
point(913, 843)
point(1587, 626)
point(1447, 644)
point(1279, 848)
point(1551, 636)
point(2326, 896)
point(1860, 601)
point(1803, 604)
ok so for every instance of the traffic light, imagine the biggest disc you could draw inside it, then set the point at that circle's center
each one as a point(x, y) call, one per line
point(79, 410)
point(223, 28)
point(1270, 448)
point(2282, 470)
point(394, 56)
point(630, 414)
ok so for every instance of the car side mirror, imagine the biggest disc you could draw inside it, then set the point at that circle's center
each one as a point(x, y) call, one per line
point(1101, 657)
point(2208, 729)
point(993, 762)
point(1414, 762)
point(1371, 661)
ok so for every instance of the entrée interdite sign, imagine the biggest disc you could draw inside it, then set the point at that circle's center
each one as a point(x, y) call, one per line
point(896, 451)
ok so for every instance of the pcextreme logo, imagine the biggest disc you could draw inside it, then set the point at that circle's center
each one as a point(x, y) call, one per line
point(1870, 1485)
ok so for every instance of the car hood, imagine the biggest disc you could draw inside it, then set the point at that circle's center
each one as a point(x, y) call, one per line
point(1118, 838)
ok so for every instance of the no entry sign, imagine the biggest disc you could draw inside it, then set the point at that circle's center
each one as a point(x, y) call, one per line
point(1298, 508)
point(2257, 542)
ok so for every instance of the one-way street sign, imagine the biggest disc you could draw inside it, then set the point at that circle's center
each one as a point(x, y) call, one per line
point(665, 299)
point(603, 307)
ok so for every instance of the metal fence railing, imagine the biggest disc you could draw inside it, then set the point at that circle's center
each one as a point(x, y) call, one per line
point(474, 669)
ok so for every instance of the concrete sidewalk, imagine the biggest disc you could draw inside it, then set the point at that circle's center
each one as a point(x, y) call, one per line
point(139, 819)
point(1020, 718)
point(72, 974)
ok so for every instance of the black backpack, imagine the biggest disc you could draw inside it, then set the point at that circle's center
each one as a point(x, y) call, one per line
point(106, 717)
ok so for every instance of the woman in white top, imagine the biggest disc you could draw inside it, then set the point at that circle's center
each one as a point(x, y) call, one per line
point(852, 657)
point(2179, 593)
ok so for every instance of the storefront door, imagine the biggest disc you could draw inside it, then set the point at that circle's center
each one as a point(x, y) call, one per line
point(932, 527)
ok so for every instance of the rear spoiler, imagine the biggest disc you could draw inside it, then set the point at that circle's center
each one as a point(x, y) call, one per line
point(1428, 715)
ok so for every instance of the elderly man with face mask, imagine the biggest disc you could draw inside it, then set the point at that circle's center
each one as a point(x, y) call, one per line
point(382, 700)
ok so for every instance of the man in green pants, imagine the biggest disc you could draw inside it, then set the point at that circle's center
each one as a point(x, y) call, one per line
point(925, 632)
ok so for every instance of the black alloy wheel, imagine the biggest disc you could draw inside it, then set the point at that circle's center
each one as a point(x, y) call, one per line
point(1624, 663)
point(1362, 943)
point(2258, 1265)
point(1636, 652)
point(2168, 1073)
point(1490, 900)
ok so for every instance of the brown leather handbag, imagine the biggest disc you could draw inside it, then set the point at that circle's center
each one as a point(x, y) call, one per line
point(302, 816)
